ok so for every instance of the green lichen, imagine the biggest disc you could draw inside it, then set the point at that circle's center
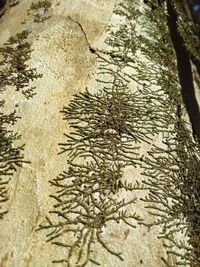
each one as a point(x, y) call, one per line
point(171, 169)
point(40, 10)
point(41, 4)
point(88, 195)
point(11, 157)
point(14, 72)
point(173, 180)
point(188, 29)
point(140, 100)
point(13, 3)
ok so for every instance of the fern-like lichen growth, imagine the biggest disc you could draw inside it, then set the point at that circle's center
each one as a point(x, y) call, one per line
point(14, 72)
point(171, 168)
point(140, 99)
point(89, 196)
point(40, 10)
point(10, 157)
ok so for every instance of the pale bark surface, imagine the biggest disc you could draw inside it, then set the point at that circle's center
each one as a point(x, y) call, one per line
point(61, 53)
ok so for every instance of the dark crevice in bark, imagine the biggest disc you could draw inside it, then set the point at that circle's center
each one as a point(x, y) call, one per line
point(2, 3)
point(196, 62)
point(91, 49)
point(190, 186)
point(2, 7)
point(184, 71)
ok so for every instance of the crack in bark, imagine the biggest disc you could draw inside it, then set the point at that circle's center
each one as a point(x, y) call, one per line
point(92, 50)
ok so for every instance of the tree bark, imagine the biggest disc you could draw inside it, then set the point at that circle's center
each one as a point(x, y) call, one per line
point(184, 71)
